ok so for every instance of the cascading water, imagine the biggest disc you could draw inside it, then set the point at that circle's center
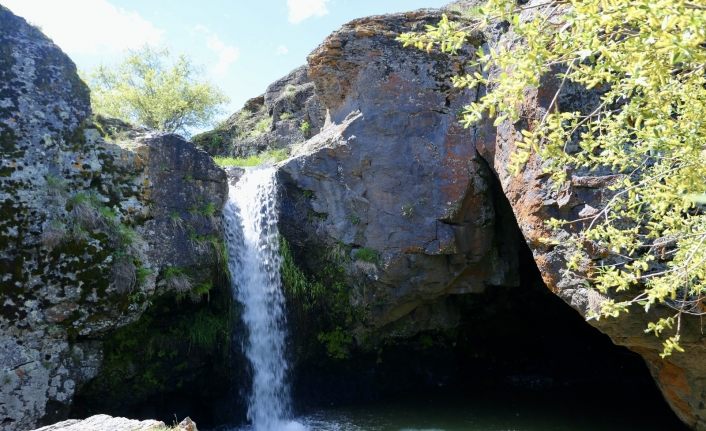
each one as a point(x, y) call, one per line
point(254, 263)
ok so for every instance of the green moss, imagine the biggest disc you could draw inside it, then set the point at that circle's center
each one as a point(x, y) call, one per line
point(321, 300)
point(202, 289)
point(8, 143)
point(6, 171)
point(338, 343)
point(173, 345)
point(209, 209)
point(173, 271)
point(367, 255)
point(142, 274)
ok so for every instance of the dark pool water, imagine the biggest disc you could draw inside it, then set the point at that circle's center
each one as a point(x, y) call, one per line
point(491, 414)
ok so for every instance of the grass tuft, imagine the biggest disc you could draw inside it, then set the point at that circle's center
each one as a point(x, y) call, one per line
point(272, 156)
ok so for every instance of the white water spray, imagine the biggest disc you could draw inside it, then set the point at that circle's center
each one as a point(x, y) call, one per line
point(254, 263)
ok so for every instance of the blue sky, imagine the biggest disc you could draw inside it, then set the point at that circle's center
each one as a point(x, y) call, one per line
point(241, 45)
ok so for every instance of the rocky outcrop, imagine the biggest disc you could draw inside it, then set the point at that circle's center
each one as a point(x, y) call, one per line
point(288, 113)
point(682, 376)
point(97, 220)
point(392, 184)
point(402, 196)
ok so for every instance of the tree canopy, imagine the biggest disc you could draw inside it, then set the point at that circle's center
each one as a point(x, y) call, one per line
point(150, 89)
point(647, 61)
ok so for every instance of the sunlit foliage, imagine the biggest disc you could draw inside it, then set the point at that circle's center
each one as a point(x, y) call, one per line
point(150, 89)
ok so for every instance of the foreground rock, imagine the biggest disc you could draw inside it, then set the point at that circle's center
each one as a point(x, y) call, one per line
point(94, 214)
point(107, 423)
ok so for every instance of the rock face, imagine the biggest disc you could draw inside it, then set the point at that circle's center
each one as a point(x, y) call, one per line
point(392, 183)
point(288, 113)
point(682, 376)
point(94, 214)
point(395, 186)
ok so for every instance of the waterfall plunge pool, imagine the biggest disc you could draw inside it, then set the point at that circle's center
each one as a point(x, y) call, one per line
point(615, 404)
point(493, 413)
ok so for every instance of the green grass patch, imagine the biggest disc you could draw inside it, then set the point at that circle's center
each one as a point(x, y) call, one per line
point(367, 255)
point(272, 156)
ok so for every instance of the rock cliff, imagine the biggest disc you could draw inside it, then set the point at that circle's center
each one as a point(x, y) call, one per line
point(682, 376)
point(391, 181)
point(390, 210)
point(98, 219)
point(288, 113)
point(402, 195)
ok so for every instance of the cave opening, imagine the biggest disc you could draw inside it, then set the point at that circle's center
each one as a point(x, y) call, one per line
point(522, 348)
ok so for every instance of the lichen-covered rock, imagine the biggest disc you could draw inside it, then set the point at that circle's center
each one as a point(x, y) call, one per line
point(94, 213)
point(682, 376)
point(392, 184)
point(288, 113)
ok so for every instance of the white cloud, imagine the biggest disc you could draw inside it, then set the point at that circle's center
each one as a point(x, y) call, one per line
point(226, 54)
point(88, 26)
point(299, 10)
point(282, 50)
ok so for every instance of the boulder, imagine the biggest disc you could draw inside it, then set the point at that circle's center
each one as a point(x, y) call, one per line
point(392, 184)
point(94, 213)
point(105, 423)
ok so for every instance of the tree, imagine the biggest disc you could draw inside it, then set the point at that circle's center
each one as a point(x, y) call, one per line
point(148, 89)
point(647, 61)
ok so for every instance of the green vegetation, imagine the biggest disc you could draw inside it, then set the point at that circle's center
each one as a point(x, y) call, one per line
point(367, 255)
point(272, 156)
point(354, 219)
point(142, 274)
point(261, 127)
point(285, 116)
point(337, 342)
point(645, 61)
point(175, 344)
point(150, 89)
point(296, 282)
point(290, 91)
point(322, 302)
point(305, 128)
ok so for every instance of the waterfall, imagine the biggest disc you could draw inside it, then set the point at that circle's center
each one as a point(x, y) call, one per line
point(254, 263)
